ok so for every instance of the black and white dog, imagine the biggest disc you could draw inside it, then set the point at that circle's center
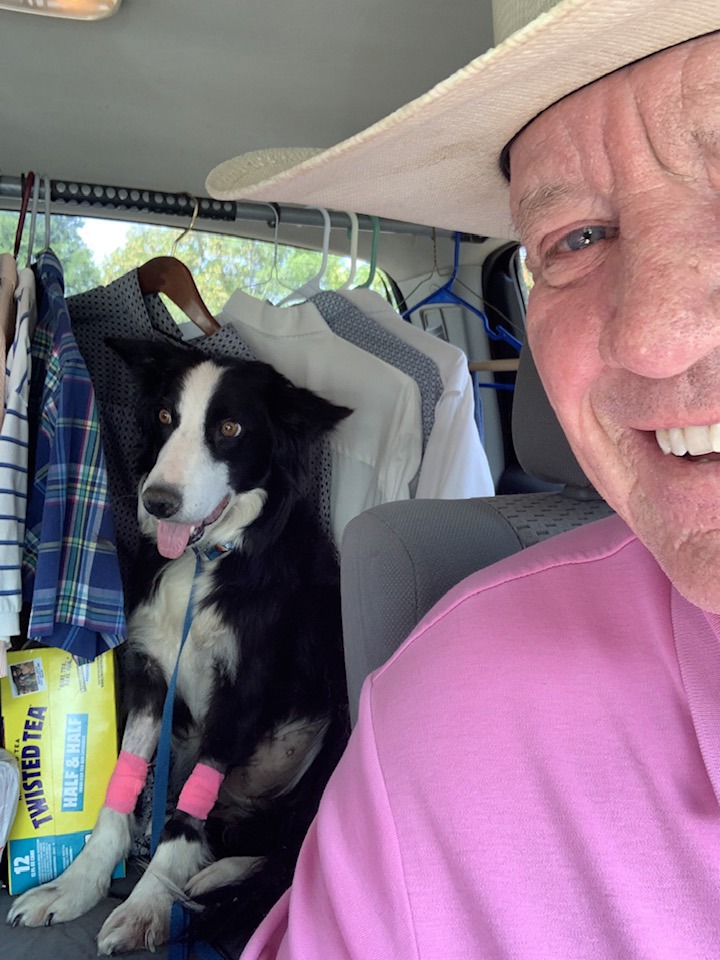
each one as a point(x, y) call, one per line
point(260, 713)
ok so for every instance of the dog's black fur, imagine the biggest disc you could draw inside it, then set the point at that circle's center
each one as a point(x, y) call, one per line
point(277, 592)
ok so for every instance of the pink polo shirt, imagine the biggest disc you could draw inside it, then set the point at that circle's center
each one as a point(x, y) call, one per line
point(534, 776)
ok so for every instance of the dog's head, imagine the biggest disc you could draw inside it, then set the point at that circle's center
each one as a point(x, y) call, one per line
point(220, 438)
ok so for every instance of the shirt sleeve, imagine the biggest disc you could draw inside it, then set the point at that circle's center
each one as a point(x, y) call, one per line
point(349, 899)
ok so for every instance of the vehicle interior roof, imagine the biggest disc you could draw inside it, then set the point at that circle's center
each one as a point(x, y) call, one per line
point(157, 94)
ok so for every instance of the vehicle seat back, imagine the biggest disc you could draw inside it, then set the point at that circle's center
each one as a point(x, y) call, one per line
point(400, 558)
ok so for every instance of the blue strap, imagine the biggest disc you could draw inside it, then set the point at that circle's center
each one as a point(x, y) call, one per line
point(162, 763)
point(179, 945)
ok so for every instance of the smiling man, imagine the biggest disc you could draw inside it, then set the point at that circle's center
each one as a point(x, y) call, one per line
point(616, 192)
point(535, 774)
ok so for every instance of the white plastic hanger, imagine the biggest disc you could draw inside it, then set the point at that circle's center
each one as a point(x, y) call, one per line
point(274, 223)
point(313, 286)
point(373, 252)
point(354, 231)
point(33, 219)
point(46, 185)
point(34, 215)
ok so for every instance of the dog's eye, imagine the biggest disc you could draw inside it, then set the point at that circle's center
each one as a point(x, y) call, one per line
point(230, 428)
point(165, 417)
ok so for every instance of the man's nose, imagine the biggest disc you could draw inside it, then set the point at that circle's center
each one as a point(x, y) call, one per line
point(666, 305)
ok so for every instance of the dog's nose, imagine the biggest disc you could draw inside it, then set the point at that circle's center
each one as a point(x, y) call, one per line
point(161, 501)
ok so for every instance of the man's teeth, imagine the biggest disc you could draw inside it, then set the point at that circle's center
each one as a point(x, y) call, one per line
point(693, 440)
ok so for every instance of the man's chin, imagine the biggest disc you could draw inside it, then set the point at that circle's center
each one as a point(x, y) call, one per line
point(693, 567)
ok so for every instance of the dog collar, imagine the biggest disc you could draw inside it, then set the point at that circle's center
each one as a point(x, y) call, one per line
point(212, 553)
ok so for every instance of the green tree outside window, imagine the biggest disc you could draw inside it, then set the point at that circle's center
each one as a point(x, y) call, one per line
point(219, 263)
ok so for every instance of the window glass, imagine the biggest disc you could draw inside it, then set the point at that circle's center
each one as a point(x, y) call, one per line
point(95, 252)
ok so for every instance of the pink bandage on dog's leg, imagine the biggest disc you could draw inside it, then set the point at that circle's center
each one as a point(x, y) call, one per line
point(126, 782)
point(200, 792)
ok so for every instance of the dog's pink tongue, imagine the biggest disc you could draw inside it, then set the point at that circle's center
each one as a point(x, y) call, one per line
point(172, 538)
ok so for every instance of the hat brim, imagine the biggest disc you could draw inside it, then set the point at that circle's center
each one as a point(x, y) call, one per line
point(435, 161)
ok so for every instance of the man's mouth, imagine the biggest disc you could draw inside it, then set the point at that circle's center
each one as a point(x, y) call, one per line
point(173, 538)
point(690, 442)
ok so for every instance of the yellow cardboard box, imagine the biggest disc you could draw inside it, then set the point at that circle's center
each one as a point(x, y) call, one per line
point(60, 723)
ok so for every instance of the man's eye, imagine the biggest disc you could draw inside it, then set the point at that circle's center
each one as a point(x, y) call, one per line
point(587, 236)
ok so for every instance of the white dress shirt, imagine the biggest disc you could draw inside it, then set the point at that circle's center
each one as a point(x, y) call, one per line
point(455, 465)
point(377, 450)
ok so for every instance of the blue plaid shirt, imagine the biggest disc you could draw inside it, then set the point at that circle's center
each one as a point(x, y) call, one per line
point(70, 566)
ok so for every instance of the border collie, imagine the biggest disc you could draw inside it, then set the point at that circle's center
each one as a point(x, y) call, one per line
point(260, 711)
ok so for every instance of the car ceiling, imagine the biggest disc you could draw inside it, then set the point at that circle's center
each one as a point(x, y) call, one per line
point(159, 93)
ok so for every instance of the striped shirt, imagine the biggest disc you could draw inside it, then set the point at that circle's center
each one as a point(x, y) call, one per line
point(14, 458)
point(70, 565)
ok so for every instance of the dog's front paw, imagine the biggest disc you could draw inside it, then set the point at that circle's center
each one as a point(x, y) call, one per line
point(54, 902)
point(136, 925)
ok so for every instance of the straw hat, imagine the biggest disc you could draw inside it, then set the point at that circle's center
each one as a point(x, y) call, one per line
point(435, 160)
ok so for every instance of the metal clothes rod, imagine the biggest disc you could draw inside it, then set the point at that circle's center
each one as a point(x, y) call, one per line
point(81, 194)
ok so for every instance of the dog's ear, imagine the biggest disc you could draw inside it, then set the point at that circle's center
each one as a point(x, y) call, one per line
point(151, 361)
point(304, 412)
point(300, 419)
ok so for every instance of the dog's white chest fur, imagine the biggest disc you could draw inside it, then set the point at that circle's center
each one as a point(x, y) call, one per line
point(157, 626)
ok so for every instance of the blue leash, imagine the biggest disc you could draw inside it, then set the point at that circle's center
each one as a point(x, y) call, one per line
point(162, 762)
point(178, 948)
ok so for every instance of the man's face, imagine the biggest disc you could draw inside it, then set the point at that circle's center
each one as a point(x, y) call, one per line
point(616, 192)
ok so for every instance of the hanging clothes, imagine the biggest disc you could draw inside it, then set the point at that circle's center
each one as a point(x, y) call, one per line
point(14, 457)
point(8, 311)
point(376, 452)
point(349, 322)
point(120, 310)
point(14, 440)
point(71, 575)
point(455, 465)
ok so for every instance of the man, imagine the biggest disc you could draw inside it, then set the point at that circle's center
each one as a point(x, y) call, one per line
point(536, 773)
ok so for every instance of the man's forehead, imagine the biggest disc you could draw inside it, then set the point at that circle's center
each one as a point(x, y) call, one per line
point(550, 172)
point(573, 146)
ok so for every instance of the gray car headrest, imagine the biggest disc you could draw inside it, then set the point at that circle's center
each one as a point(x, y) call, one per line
point(540, 443)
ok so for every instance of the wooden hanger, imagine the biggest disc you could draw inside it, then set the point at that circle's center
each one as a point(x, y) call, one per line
point(170, 276)
point(27, 189)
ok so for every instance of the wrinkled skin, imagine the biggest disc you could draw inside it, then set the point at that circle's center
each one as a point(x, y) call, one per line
point(616, 193)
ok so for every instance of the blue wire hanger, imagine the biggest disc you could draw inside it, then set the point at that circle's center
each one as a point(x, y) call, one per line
point(444, 294)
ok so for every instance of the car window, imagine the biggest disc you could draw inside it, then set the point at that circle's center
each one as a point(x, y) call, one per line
point(95, 251)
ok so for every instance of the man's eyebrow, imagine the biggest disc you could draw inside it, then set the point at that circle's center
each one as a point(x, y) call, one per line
point(533, 204)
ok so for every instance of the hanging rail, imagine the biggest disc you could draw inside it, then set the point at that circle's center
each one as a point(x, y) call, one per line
point(82, 194)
